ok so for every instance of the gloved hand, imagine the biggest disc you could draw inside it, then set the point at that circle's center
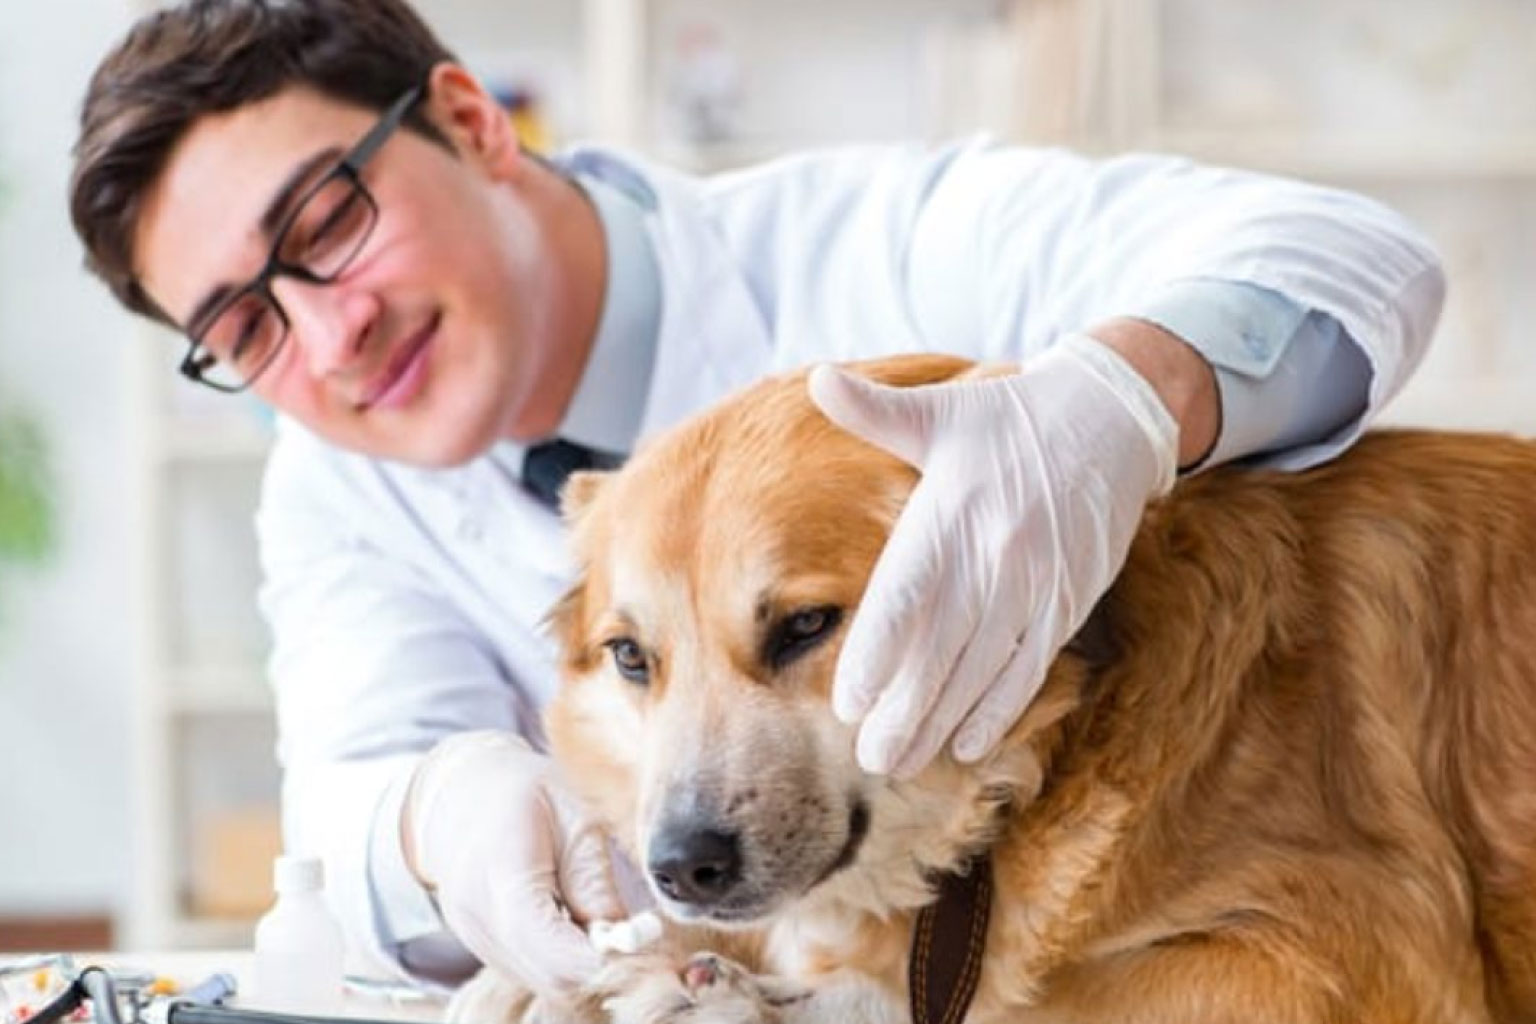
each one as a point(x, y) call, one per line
point(1032, 487)
point(516, 863)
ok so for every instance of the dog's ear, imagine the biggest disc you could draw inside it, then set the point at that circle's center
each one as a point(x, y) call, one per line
point(912, 370)
point(580, 490)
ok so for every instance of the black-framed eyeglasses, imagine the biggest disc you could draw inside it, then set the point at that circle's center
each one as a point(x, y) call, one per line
point(238, 339)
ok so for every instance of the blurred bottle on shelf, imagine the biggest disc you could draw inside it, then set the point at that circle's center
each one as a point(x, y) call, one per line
point(706, 86)
point(524, 107)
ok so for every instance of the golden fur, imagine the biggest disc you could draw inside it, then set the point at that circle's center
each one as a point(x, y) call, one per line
point(1288, 774)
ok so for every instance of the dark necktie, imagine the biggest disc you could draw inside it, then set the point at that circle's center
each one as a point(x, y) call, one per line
point(546, 466)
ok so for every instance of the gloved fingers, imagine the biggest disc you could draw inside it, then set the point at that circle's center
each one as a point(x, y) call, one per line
point(894, 419)
point(516, 925)
point(903, 592)
point(586, 878)
point(580, 856)
point(630, 881)
point(1001, 706)
point(541, 944)
point(934, 731)
point(980, 667)
point(917, 687)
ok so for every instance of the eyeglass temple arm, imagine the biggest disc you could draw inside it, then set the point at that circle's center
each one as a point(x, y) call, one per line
point(386, 126)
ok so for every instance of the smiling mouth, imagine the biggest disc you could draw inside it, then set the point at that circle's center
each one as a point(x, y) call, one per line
point(399, 365)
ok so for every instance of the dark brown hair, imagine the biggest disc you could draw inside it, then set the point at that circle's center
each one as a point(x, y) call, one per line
point(207, 56)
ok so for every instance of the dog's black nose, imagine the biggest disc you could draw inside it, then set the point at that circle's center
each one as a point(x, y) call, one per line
point(695, 865)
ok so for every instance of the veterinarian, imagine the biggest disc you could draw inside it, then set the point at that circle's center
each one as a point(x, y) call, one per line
point(339, 218)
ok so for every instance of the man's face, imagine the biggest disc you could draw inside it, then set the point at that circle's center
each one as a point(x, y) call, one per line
point(439, 337)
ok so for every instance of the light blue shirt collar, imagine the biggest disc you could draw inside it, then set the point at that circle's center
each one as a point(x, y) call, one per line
point(606, 410)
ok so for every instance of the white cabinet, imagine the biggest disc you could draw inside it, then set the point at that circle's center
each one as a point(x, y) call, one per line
point(1429, 105)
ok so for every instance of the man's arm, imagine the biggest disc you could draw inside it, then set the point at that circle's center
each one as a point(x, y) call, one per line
point(1306, 306)
point(370, 671)
point(1011, 249)
point(1180, 375)
point(380, 677)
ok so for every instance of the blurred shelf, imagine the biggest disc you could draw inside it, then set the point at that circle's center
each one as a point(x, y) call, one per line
point(713, 157)
point(190, 441)
point(224, 691)
point(1358, 158)
point(1504, 406)
point(191, 931)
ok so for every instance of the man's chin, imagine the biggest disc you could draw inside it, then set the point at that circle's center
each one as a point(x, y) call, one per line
point(425, 441)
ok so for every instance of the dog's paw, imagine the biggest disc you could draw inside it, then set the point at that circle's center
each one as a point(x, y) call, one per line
point(490, 997)
point(706, 989)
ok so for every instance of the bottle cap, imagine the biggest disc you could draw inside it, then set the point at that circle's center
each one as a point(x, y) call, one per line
point(291, 873)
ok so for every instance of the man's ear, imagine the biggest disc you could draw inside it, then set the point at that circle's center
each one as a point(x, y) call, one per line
point(579, 491)
point(474, 120)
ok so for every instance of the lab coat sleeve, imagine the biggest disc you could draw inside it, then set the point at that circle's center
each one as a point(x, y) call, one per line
point(1021, 246)
point(1286, 377)
point(370, 668)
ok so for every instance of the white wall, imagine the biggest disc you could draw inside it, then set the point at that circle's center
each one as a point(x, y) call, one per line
point(65, 649)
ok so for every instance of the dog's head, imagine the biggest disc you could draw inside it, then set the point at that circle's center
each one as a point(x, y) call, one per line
point(719, 571)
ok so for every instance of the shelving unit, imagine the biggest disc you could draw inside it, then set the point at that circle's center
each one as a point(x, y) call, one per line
point(1099, 74)
point(1446, 152)
point(1395, 104)
point(198, 660)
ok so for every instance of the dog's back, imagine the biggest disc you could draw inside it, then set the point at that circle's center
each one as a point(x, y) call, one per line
point(1467, 689)
point(1320, 713)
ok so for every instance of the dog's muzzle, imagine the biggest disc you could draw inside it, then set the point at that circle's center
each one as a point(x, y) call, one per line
point(696, 866)
point(699, 864)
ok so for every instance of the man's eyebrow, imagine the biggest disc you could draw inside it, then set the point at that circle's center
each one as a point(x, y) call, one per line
point(300, 176)
point(209, 303)
point(271, 219)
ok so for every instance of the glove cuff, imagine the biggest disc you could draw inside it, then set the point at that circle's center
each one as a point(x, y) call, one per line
point(1138, 397)
point(451, 769)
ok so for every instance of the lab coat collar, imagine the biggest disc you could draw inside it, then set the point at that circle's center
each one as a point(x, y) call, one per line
point(713, 338)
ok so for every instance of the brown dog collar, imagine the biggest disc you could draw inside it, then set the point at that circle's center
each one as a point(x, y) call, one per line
point(947, 945)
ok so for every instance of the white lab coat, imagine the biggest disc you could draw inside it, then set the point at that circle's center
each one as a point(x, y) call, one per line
point(406, 604)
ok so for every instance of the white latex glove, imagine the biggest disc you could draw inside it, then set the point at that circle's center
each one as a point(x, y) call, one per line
point(516, 863)
point(1032, 487)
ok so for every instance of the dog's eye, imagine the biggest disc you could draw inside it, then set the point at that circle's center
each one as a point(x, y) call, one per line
point(799, 632)
point(629, 658)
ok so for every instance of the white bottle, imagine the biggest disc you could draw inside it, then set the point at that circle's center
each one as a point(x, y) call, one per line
point(298, 944)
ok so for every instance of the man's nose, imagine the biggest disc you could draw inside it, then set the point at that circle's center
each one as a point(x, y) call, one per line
point(329, 322)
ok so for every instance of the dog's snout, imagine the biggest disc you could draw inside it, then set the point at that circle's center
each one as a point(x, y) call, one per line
point(695, 865)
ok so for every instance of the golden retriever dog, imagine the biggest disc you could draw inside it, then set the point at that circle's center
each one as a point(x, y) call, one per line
point(1287, 773)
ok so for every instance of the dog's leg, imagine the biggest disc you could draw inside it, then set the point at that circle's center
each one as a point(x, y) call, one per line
point(668, 988)
point(710, 989)
point(491, 997)
point(488, 998)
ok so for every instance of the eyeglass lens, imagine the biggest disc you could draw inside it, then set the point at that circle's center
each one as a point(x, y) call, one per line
point(319, 240)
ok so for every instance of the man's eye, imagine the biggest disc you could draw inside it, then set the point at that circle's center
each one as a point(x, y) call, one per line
point(254, 337)
point(244, 332)
point(336, 229)
point(629, 658)
point(799, 632)
point(328, 228)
